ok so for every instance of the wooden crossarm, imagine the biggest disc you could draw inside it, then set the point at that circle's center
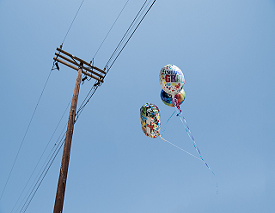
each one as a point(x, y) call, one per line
point(75, 63)
point(75, 68)
point(84, 62)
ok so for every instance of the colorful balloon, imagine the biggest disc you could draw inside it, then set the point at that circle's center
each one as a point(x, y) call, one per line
point(150, 120)
point(171, 79)
point(167, 98)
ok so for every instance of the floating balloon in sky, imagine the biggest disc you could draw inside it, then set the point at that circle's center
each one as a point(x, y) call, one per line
point(171, 79)
point(168, 100)
point(150, 120)
point(150, 123)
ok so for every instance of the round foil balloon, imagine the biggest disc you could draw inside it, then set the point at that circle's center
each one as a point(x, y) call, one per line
point(171, 79)
point(150, 120)
point(167, 98)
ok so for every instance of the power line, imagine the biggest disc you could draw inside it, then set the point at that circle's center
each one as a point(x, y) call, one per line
point(43, 171)
point(91, 92)
point(21, 144)
point(111, 28)
point(42, 176)
point(86, 100)
point(28, 198)
point(107, 67)
point(50, 159)
point(126, 33)
point(72, 22)
point(128, 30)
point(95, 86)
point(26, 131)
point(41, 156)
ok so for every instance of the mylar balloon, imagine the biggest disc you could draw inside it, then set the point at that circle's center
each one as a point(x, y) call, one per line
point(171, 79)
point(167, 98)
point(150, 120)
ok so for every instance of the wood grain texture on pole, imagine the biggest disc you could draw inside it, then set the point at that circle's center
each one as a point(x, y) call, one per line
point(60, 193)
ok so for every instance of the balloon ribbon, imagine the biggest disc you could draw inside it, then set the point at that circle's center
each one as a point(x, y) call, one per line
point(183, 120)
point(187, 129)
point(178, 147)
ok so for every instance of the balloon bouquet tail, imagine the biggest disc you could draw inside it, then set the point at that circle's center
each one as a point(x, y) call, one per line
point(164, 128)
point(179, 147)
point(162, 138)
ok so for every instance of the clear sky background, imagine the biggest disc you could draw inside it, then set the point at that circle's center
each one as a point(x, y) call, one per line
point(226, 50)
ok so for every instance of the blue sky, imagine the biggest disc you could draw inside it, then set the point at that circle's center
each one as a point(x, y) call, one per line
point(225, 49)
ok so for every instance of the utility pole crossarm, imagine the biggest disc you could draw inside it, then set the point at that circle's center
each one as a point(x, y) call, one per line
point(75, 68)
point(77, 64)
point(73, 60)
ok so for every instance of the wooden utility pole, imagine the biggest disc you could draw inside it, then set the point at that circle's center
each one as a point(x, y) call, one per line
point(60, 193)
point(58, 206)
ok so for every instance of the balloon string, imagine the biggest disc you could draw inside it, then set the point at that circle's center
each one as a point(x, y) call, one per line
point(184, 122)
point(178, 147)
point(182, 119)
point(167, 122)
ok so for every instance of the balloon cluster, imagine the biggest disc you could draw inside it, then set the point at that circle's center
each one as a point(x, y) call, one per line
point(172, 94)
point(172, 80)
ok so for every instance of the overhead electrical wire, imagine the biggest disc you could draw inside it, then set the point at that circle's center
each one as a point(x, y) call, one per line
point(42, 176)
point(41, 156)
point(49, 160)
point(110, 29)
point(21, 144)
point(27, 130)
point(46, 166)
point(86, 100)
point(123, 42)
point(72, 22)
point(110, 61)
point(126, 33)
